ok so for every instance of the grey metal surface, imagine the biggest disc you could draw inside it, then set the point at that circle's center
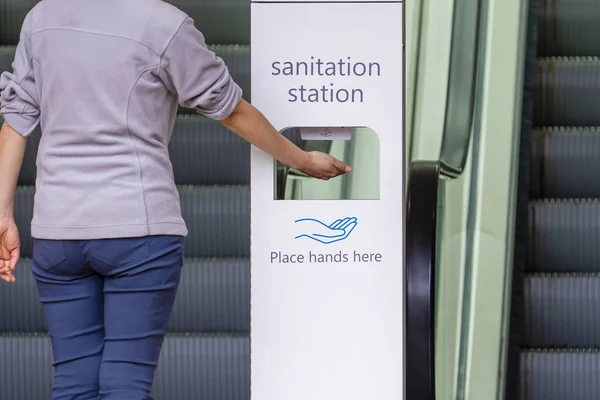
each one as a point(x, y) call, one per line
point(7, 55)
point(560, 375)
point(213, 297)
point(20, 308)
point(569, 28)
point(218, 219)
point(566, 90)
point(564, 235)
point(25, 367)
point(12, 14)
point(562, 310)
point(191, 367)
point(221, 21)
point(204, 152)
point(198, 368)
point(565, 162)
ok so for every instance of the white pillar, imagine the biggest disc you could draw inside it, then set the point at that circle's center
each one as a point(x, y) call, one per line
point(328, 311)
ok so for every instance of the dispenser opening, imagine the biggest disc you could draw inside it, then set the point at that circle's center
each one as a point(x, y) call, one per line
point(358, 147)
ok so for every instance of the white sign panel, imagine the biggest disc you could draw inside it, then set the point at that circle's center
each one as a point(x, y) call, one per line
point(327, 258)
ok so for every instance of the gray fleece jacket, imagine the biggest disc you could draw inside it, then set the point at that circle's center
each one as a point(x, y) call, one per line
point(104, 78)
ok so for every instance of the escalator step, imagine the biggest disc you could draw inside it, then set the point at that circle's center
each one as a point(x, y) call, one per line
point(7, 55)
point(568, 28)
point(218, 220)
point(202, 152)
point(566, 90)
point(191, 367)
point(222, 21)
point(559, 375)
point(213, 297)
point(561, 310)
point(12, 15)
point(237, 58)
point(564, 235)
point(565, 163)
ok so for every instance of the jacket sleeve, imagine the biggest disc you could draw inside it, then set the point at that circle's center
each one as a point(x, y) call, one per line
point(198, 77)
point(19, 103)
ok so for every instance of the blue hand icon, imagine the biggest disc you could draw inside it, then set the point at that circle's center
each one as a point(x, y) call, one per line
point(316, 230)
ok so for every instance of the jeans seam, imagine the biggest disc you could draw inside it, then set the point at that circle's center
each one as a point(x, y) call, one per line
point(116, 264)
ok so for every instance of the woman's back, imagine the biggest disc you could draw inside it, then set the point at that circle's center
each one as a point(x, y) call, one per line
point(106, 77)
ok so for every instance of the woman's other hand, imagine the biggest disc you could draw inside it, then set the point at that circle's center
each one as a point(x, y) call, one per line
point(10, 249)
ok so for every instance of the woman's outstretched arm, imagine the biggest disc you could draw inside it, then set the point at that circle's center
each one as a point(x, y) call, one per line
point(249, 123)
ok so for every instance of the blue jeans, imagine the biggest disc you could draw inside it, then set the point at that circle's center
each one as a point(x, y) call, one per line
point(107, 305)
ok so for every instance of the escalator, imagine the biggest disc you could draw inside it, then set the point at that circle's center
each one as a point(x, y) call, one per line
point(556, 291)
point(554, 340)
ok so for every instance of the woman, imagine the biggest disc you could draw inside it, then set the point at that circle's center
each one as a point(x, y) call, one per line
point(104, 78)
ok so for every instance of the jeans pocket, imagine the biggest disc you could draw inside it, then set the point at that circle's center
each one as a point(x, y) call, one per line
point(48, 253)
point(122, 252)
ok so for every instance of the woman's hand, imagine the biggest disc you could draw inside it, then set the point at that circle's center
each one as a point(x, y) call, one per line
point(10, 249)
point(323, 166)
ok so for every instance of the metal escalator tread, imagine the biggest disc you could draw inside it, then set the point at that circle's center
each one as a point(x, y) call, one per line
point(218, 220)
point(562, 374)
point(12, 15)
point(213, 297)
point(565, 162)
point(204, 367)
point(566, 89)
point(235, 56)
point(560, 335)
point(562, 310)
point(191, 367)
point(221, 21)
point(568, 28)
point(202, 152)
point(564, 235)
point(7, 55)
